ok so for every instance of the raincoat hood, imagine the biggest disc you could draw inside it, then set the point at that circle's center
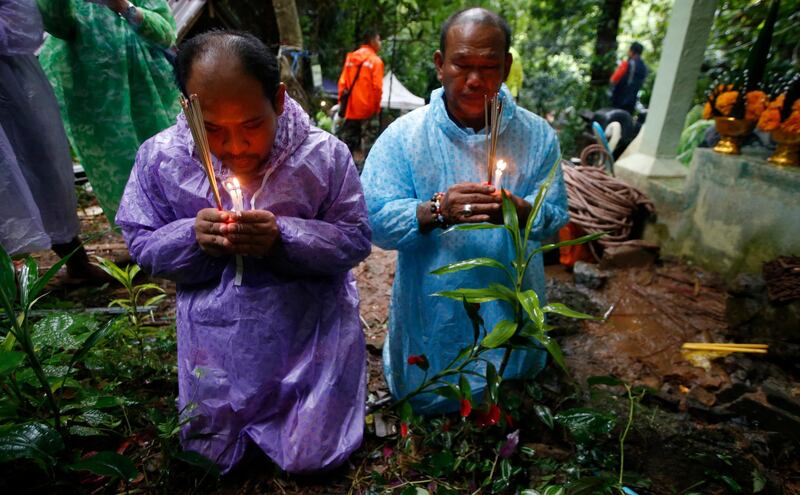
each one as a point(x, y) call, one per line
point(293, 129)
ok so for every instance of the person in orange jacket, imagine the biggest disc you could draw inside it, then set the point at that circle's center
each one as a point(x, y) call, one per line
point(362, 75)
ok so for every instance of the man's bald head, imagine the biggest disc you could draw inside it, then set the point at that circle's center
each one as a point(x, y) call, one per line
point(475, 15)
point(228, 51)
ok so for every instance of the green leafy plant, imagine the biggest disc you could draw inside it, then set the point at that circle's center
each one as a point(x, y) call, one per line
point(38, 362)
point(527, 330)
point(131, 303)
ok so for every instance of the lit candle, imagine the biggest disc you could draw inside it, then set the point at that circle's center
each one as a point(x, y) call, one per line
point(498, 173)
point(234, 188)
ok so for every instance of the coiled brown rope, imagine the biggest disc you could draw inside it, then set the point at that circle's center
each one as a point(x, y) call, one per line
point(601, 203)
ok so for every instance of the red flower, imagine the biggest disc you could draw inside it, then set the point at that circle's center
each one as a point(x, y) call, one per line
point(420, 361)
point(494, 414)
point(403, 430)
point(466, 407)
point(489, 418)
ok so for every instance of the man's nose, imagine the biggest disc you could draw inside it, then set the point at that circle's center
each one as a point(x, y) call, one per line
point(474, 79)
point(236, 143)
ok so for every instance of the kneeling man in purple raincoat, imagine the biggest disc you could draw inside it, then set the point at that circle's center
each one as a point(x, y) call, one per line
point(276, 358)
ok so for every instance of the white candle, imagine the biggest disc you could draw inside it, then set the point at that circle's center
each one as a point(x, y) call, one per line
point(498, 173)
point(235, 190)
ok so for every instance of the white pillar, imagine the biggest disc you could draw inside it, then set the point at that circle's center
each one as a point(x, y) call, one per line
point(684, 46)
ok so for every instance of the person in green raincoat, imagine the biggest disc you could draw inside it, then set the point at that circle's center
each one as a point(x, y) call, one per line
point(107, 63)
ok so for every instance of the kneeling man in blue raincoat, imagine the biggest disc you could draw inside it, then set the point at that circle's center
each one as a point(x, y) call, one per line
point(427, 171)
point(270, 351)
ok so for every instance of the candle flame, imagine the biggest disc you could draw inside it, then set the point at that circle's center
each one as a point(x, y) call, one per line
point(235, 183)
point(501, 165)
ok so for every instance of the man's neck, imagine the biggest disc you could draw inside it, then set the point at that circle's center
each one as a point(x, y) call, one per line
point(459, 123)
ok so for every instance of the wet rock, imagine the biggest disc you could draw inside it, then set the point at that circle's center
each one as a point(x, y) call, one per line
point(783, 395)
point(627, 257)
point(702, 396)
point(589, 275)
point(733, 392)
point(766, 416)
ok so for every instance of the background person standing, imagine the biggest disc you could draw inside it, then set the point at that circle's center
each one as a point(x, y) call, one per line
point(628, 79)
point(362, 76)
point(115, 87)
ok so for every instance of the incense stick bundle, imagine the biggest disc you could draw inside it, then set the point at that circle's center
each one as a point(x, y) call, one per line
point(194, 117)
point(726, 347)
point(493, 113)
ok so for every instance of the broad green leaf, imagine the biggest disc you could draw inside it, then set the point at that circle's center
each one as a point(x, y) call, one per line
point(58, 331)
point(473, 312)
point(508, 293)
point(530, 303)
point(9, 361)
point(149, 286)
point(572, 242)
point(511, 221)
point(113, 270)
point(449, 391)
point(585, 424)
point(28, 275)
point(406, 412)
point(92, 340)
point(463, 385)
point(609, 380)
point(562, 310)
point(554, 490)
point(493, 381)
point(473, 226)
point(36, 441)
point(42, 281)
point(544, 414)
point(85, 431)
point(468, 265)
point(107, 463)
point(155, 300)
point(474, 295)
point(554, 349)
point(8, 282)
point(501, 332)
point(539, 199)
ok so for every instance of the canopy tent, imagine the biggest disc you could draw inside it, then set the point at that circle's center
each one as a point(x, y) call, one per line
point(397, 96)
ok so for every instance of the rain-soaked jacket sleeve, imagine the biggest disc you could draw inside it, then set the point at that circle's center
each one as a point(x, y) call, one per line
point(553, 214)
point(58, 17)
point(161, 244)
point(158, 25)
point(391, 198)
point(339, 238)
point(20, 27)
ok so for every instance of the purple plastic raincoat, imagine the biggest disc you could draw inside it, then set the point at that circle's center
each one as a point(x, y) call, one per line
point(278, 360)
point(36, 178)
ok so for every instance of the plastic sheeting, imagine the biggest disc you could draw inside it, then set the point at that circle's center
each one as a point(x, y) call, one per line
point(280, 360)
point(35, 167)
point(397, 96)
point(113, 82)
point(418, 155)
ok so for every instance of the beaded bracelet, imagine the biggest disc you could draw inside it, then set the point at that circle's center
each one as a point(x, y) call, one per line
point(436, 209)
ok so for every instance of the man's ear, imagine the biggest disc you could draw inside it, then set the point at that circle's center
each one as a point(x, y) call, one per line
point(280, 99)
point(438, 61)
point(509, 60)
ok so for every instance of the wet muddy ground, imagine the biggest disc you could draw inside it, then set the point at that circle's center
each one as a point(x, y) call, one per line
point(739, 419)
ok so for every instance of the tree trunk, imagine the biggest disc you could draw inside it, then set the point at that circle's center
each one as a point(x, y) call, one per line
point(291, 38)
point(605, 46)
